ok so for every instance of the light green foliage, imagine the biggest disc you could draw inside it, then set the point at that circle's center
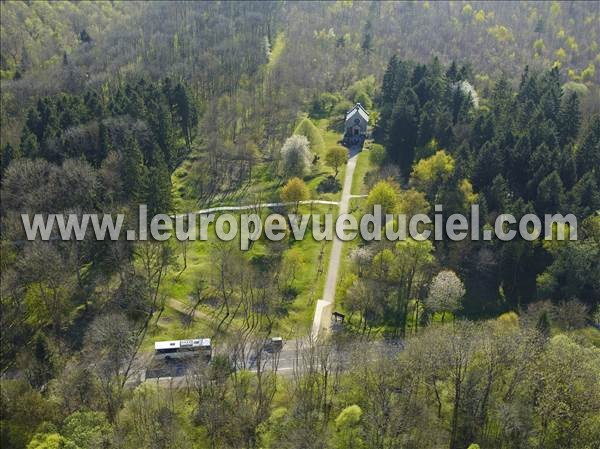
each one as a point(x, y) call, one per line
point(362, 91)
point(349, 417)
point(538, 45)
point(508, 320)
point(430, 173)
point(589, 72)
point(376, 154)
point(294, 190)
point(308, 129)
point(385, 195)
point(501, 33)
point(51, 441)
point(36, 34)
point(88, 430)
point(348, 431)
point(569, 391)
point(335, 158)
point(149, 419)
point(581, 89)
point(480, 16)
point(412, 202)
point(323, 104)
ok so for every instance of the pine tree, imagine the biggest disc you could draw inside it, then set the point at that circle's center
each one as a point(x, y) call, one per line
point(403, 130)
point(104, 143)
point(165, 134)
point(550, 194)
point(543, 325)
point(517, 165)
point(8, 155)
point(157, 193)
point(29, 146)
point(452, 72)
point(584, 198)
point(186, 111)
point(487, 166)
point(132, 169)
point(569, 120)
point(588, 154)
point(367, 43)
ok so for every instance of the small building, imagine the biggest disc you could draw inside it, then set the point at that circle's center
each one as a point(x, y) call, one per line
point(337, 320)
point(338, 317)
point(357, 120)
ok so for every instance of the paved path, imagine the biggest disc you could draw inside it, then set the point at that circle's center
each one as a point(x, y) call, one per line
point(255, 206)
point(324, 308)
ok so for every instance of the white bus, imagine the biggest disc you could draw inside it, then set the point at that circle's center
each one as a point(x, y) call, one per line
point(178, 349)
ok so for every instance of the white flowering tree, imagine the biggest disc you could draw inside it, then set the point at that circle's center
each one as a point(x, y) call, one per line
point(445, 293)
point(296, 157)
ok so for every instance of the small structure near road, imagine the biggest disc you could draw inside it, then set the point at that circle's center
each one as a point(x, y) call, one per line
point(355, 125)
point(337, 320)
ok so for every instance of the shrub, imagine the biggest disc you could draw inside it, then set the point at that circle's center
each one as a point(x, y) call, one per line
point(308, 129)
point(376, 154)
point(329, 185)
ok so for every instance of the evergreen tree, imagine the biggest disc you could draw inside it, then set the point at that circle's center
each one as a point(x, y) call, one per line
point(157, 194)
point(452, 72)
point(8, 155)
point(584, 198)
point(29, 146)
point(367, 43)
point(487, 166)
point(85, 37)
point(186, 111)
point(402, 134)
point(587, 156)
point(104, 143)
point(132, 169)
point(517, 165)
point(569, 120)
point(34, 124)
point(543, 325)
point(550, 194)
point(165, 134)
point(42, 368)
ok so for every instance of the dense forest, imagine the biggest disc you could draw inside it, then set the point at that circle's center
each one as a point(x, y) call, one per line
point(188, 105)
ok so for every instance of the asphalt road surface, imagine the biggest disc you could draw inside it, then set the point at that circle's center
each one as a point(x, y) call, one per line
point(324, 308)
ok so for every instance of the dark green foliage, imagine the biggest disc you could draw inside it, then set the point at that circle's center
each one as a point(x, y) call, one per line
point(157, 195)
point(133, 170)
point(587, 156)
point(402, 134)
point(7, 156)
point(329, 185)
point(85, 37)
point(543, 324)
point(569, 120)
point(550, 194)
point(186, 110)
point(419, 103)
